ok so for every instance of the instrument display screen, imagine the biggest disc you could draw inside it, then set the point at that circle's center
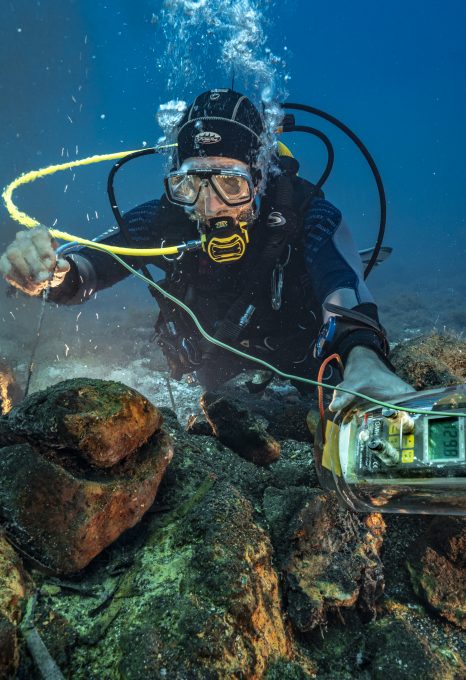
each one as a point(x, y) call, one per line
point(444, 438)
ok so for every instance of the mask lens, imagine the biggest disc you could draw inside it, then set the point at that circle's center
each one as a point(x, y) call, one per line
point(183, 188)
point(232, 188)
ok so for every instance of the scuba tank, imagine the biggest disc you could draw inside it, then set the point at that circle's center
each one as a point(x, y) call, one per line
point(398, 461)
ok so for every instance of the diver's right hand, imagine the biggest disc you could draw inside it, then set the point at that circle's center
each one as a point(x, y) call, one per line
point(30, 262)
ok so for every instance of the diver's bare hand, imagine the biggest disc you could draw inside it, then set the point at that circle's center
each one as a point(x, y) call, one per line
point(367, 374)
point(30, 262)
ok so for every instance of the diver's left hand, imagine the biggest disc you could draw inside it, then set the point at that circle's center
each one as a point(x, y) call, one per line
point(366, 373)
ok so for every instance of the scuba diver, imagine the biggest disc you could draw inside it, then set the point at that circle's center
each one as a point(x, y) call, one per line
point(275, 272)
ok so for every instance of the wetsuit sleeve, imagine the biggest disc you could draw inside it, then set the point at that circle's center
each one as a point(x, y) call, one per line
point(335, 270)
point(93, 270)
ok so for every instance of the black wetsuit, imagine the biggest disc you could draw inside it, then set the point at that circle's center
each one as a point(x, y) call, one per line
point(321, 265)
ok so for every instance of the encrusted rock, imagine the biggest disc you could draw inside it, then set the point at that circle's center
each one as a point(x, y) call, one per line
point(106, 421)
point(221, 611)
point(406, 643)
point(238, 429)
point(435, 360)
point(63, 513)
point(437, 566)
point(14, 589)
point(201, 599)
point(333, 561)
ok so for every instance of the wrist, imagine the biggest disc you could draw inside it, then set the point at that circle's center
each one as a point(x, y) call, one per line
point(362, 353)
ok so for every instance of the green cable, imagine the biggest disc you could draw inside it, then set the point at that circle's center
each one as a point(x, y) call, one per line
point(239, 353)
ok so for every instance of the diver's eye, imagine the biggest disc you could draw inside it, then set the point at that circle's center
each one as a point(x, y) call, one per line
point(233, 186)
point(184, 187)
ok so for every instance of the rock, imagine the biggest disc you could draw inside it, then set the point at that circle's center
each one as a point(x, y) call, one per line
point(65, 516)
point(435, 360)
point(9, 649)
point(106, 421)
point(403, 643)
point(200, 601)
point(333, 561)
point(406, 644)
point(286, 420)
point(10, 392)
point(238, 429)
point(437, 566)
point(283, 669)
point(15, 587)
point(295, 467)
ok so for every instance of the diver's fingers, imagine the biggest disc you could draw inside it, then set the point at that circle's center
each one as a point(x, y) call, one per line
point(31, 255)
point(63, 266)
point(340, 401)
point(44, 246)
point(18, 263)
point(60, 271)
point(42, 239)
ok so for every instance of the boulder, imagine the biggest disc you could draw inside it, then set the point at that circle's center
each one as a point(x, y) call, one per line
point(237, 428)
point(64, 514)
point(437, 566)
point(333, 561)
point(59, 497)
point(199, 600)
point(106, 421)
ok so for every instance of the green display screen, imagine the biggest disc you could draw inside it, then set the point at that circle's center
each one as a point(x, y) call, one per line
point(444, 438)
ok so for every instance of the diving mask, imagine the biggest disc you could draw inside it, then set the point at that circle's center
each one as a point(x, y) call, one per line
point(233, 186)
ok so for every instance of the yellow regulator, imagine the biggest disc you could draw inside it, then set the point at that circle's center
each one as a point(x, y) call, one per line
point(225, 240)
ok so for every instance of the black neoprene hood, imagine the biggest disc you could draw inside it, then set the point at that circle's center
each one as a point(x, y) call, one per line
point(220, 123)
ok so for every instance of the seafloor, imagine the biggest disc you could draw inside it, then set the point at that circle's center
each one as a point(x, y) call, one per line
point(238, 570)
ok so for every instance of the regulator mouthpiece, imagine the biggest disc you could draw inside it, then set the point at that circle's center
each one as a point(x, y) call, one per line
point(225, 240)
point(386, 460)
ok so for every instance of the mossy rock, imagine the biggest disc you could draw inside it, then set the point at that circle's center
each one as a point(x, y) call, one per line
point(407, 644)
point(435, 360)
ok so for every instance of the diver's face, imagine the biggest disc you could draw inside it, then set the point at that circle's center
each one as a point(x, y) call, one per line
point(209, 204)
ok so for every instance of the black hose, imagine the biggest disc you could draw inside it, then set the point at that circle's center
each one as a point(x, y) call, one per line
point(111, 191)
point(373, 167)
point(114, 205)
point(330, 152)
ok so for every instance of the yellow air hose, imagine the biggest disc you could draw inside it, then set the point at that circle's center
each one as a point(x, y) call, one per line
point(30, 222)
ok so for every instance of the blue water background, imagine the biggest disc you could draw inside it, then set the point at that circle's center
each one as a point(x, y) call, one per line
point(81, 77)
